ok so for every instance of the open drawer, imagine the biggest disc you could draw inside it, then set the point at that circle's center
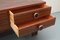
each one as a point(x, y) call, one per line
point(29, 15)
point(32, 26)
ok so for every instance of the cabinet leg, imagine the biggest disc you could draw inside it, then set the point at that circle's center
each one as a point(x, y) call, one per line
point(35, 33)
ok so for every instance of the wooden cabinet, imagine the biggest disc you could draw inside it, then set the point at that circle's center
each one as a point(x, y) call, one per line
point(25, 17)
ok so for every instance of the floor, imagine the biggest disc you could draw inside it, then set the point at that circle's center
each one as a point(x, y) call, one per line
point(50, 33)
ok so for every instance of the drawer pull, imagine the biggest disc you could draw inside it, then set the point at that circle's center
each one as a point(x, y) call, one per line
point(40, 26)
point(36, 15)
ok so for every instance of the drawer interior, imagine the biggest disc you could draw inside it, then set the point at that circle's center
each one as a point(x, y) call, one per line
point(41, 21)
point(24, 9)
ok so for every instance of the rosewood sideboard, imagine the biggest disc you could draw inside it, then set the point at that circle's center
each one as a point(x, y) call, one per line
point(25, 17)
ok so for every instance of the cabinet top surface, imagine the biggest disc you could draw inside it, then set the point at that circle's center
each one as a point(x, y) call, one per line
point(6, 4)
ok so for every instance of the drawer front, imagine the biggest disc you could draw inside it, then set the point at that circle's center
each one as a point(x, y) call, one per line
point(4, 14)
point(28, 30)
point(4, 27)
point(4, 21)
point(47, 24)
point(31, 15)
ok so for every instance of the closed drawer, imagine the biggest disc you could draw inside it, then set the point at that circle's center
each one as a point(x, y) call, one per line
point(4, 14)
point(4, 27)
point(4, 21)
point(32, 26)
point(26, 16)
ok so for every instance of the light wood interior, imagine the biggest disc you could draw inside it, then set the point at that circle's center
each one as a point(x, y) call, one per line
point(13, 26)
